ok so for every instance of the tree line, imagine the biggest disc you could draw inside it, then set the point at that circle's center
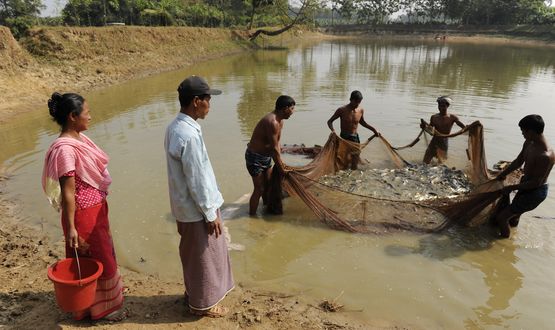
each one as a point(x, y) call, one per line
point(19, 15)
point(466, 12)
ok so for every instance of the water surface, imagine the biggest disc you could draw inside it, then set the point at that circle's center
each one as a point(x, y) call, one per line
point(458, 279)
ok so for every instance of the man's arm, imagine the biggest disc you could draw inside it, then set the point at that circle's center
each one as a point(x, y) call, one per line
point(365, 124)
point(333, 118)
point(540, 169)
point(423, 123)
point(515, 164)
point(458, 122)
point(274, 131)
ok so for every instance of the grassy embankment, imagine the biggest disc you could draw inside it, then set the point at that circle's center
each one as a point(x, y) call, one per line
point(82, 59)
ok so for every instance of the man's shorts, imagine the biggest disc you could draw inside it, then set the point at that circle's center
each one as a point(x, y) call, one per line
point(527, 200)
point(257, 163)
point(350, 137)
point(440, 143)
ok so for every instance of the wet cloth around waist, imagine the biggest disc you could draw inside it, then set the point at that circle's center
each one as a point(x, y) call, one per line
point(257, 163)
point(351, 137)
point(527, 200)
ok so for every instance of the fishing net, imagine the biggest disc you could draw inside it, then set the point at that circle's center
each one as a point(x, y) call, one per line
point(389, 189)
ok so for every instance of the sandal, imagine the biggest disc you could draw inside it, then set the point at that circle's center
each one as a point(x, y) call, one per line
point(214, 312)
point(116, 316)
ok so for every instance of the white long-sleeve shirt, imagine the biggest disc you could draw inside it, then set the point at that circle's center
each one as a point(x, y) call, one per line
point(194, 194)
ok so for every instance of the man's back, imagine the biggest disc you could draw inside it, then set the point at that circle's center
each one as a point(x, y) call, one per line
point(349, 118)
point(263, 134)
point(538, 161)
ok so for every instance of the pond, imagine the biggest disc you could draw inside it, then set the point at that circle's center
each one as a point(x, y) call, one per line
point(461, 278)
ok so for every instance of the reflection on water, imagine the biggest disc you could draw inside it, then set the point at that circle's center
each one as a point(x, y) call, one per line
point(495, 259)
point(458, 279)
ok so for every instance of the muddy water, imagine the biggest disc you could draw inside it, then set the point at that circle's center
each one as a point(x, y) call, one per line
point(459, 279)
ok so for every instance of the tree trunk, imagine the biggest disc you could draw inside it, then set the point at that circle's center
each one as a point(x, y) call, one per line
point(280, 31)
point(252, 16)
point(270, 33)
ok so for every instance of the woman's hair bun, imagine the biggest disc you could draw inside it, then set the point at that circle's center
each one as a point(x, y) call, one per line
point(61, 106)
point(53, 103)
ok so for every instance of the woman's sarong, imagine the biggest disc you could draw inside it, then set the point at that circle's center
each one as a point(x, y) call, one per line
point(206, 265)
point(95, 241)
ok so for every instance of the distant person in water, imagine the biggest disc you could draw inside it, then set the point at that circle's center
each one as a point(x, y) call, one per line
point(442, 122)
point(538, 159)
point(350, 116)
point(76, 180)
point(264, 146)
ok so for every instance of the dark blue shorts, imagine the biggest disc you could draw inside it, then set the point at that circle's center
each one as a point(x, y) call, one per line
point(440, 142)
point(257, 163)
point(350, 137)
point(527, 200)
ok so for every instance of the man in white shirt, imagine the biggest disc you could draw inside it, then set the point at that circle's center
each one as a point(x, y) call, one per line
point(195, 203)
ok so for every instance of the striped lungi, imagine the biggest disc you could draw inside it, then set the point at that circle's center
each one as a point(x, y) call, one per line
point(206, 265)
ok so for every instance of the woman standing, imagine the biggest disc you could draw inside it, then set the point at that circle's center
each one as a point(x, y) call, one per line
point(76, 179)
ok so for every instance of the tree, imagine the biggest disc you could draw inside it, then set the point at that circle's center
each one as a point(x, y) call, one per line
point(376, 11)
point(19, 15)
point(19, 8)
point(290, 17)
point(345, 8)
point(495, 11)
point(258, 5)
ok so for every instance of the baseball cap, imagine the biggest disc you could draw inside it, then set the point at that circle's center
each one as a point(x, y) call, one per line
point(195, 86)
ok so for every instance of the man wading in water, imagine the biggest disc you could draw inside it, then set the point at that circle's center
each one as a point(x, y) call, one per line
point(538, 159)
point(441, 122)
point(351, 115)
point(264, 146)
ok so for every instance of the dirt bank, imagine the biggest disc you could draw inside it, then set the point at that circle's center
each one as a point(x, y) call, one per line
point(83, 59)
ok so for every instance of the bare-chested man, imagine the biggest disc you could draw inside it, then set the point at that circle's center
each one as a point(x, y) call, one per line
point(264, 146)
point(350, 116)
point(538, 159)
point(442, 122)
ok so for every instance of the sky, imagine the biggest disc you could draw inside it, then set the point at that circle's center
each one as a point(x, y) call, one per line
point(53, 7)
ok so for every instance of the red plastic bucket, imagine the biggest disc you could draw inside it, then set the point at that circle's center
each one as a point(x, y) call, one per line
point(72, 294)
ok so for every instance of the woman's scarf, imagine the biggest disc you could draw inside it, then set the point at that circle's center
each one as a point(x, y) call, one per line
point(88, 161)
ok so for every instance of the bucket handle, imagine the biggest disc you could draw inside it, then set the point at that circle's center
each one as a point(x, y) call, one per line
point(78, 265)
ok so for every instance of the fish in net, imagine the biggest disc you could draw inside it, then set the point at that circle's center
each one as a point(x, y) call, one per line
point(391, 189)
